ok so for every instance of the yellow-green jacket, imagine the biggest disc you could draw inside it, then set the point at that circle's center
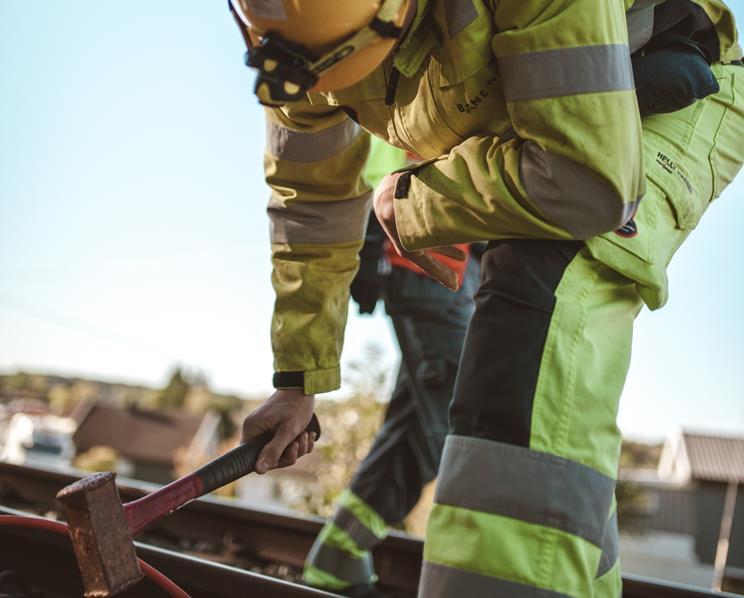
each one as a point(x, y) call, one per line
point(525, 114)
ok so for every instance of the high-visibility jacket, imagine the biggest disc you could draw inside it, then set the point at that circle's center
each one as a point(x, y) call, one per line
point(525, 116)
point(384, 159)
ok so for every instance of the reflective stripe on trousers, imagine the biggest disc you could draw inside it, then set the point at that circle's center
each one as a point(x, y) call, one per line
point(340, 556)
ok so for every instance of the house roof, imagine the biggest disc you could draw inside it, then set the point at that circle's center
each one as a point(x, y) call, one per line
point(135, 434)
point(715, 458)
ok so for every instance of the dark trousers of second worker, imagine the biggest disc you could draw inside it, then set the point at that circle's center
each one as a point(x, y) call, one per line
point(430, 324)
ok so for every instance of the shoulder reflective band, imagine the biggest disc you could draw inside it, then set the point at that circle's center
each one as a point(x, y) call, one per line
point(459, 14)
point(640, 19)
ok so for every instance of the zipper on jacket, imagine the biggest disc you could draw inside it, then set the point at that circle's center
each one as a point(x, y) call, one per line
point(392, 86)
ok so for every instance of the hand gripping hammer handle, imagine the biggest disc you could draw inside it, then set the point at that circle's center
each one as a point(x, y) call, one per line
point(231, 466)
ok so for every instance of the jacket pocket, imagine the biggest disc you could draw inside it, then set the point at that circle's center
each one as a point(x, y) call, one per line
point(673, 173)
point(677, 147)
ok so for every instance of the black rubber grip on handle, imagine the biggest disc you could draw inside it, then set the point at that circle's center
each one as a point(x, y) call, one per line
point(240, 461)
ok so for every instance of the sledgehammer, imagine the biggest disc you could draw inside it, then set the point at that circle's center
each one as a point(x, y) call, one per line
point(101, 528)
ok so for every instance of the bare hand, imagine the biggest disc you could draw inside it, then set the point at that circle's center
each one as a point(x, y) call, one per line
point(286, 414)
point(385, 211)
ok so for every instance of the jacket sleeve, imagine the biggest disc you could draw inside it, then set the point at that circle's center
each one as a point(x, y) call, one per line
point(318, 213)
point(572, 167)
point(722, 18)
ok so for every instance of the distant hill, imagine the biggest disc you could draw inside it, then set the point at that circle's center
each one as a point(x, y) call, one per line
point(63, 393)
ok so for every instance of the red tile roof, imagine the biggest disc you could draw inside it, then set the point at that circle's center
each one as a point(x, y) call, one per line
point(136, 434)
point(715, 458)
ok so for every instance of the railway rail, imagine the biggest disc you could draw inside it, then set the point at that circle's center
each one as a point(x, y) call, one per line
point(221, 548)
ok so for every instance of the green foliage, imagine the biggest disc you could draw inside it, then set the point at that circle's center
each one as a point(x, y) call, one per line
point(227, 427)
point(639, 455)
point(18, 381)
point(97, 458)
point(632, 506)
point(173, 396)
point(349, 427)
point(60, 399)
point(186, 390)
point(632, 499)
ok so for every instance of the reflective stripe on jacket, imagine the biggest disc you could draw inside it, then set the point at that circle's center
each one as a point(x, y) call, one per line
point(525, 114)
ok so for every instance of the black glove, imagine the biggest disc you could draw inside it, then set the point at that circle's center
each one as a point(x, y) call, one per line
point(672, 78)
point(368, 284)
point(366, 288)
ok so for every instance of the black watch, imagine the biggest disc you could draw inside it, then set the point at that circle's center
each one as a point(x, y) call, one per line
point(287, 380)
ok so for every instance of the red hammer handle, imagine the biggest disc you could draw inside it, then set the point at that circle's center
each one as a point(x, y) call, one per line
point(227, 468)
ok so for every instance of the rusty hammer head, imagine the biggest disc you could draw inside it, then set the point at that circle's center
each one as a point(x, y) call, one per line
point(100, 535)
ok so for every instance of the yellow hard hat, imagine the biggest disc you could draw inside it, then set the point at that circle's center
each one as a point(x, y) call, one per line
point(317, 45)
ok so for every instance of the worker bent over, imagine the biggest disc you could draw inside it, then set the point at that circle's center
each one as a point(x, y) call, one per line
point(584, 140)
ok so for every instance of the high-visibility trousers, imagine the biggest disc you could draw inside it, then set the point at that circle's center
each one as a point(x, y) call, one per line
point(430, 324)
point(524, 500)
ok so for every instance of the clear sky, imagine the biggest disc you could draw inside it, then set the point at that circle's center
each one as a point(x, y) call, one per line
point(133, 233)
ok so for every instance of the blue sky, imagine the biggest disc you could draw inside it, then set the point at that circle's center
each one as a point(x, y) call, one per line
point(133, 234)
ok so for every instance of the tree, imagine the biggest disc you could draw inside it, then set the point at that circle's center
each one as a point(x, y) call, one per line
point(97, 458)
point(349, 427)
point(174, 394)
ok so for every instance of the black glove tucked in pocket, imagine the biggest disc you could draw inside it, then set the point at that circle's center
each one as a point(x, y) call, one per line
point(672, 78)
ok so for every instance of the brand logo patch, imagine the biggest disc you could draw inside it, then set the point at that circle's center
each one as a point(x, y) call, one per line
point(477, 98)
point(672, 167)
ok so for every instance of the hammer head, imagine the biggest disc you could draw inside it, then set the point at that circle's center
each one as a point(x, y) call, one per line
point(100, 535)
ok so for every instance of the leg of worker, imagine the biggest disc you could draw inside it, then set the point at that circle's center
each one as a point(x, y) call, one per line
point(526, 480)
point(692, 155)
point(527, 477)
point(430, 324)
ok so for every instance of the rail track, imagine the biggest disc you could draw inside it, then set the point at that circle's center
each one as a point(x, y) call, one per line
point(220, 548)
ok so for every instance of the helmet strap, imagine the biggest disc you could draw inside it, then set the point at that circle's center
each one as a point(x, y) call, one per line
point(381, 26)
point(285, 74)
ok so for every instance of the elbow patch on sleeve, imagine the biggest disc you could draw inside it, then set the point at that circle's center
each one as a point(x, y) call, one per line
point(571, 195)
